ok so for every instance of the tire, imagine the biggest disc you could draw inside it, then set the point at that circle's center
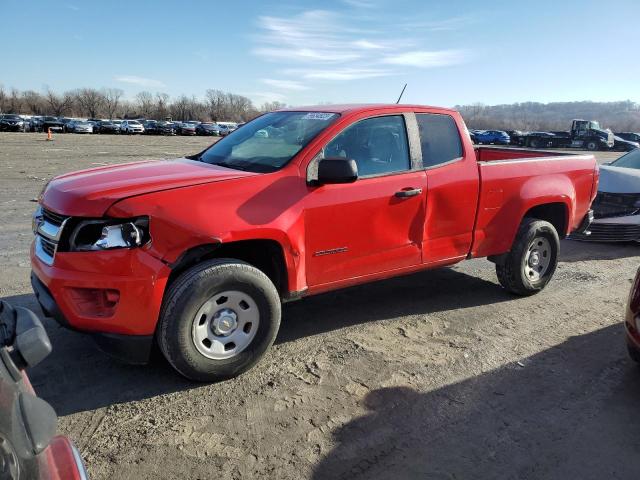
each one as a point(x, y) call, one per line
point(535, 143)
point(193, 303)
point(533, 258)
point(592, 145)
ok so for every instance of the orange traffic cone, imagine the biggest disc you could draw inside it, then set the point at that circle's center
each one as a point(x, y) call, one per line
point(49, 136)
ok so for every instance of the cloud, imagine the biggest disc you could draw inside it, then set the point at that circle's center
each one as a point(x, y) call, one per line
point(264, 97)
point(426, 59)
point(326, 45)
point(359, 3)
point(342, 73)
point(285, 84)
point(367, 45)
point(72, 7)
point(140, 81)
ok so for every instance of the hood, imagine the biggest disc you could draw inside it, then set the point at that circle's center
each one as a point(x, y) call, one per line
point(619, 179)
point(90, 193)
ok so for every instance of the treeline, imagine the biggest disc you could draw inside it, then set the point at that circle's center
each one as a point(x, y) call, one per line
point(110, 103)
point(618, 116)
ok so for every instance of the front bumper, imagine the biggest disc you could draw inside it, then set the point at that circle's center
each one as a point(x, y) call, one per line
point(125, 330)
point(612, 229)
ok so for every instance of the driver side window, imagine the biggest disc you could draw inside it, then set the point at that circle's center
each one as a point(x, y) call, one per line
point(378, 145)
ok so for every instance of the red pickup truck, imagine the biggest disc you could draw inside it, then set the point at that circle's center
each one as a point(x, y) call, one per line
point(198, 253)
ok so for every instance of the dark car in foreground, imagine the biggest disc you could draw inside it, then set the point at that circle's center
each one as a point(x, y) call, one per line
point(11, 123)
point(29, 448)
point(632, 320)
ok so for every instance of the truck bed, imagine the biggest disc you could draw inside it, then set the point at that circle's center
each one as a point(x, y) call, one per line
point(513, 181)
point(492, 154)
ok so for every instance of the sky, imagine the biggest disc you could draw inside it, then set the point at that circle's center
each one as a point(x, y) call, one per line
point(331, 51)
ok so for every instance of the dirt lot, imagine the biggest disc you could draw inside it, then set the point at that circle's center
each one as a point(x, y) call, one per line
point(435, 375)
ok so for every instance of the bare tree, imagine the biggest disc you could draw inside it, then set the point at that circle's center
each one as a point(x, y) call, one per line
point(33, 102)
point(145, 104)
point(14, 101)
point(90, 101)
point(59, 105)
point(3, 99)
point(161, 108)
point(112, 98)
point(272, 106)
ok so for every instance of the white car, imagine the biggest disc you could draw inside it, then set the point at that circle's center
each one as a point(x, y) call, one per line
point(131, 126)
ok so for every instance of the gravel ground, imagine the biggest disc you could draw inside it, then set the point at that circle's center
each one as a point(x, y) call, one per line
point(440, 374)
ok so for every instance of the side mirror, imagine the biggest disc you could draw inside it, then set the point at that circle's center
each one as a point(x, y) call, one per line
point(337, 170)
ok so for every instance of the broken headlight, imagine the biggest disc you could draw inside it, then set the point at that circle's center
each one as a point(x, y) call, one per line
point(106, 234)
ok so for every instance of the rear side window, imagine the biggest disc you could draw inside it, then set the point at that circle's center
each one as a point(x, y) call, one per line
point(439, 138)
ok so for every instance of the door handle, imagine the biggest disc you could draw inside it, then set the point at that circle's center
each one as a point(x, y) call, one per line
point(411, 192)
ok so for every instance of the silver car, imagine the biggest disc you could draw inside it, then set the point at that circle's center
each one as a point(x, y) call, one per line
point(616, 208)
point(80, 126)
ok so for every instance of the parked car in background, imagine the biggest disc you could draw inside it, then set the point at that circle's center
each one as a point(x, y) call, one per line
point(515, 137)
point(65, 123)
point(150, 127)
point(29, 448)
point(622, 145)
point(616, 208)
point(225, 130)
point(165, 128)
point(35, 123)
point(186, 129)
point(11, 123)
point(79, 126)
point(52, 123)
point(630, 136)
point(131, 127)
point(106, 126)
point(207, 129)
point(339, 198)
point(497, 137)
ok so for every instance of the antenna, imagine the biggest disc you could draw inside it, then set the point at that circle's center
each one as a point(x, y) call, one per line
point(401, 93)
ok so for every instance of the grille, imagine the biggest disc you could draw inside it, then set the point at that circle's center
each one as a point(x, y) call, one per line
point(611, 232)
point(52, 217)
point(48, 246)
point(608, 205)
point(49, 228)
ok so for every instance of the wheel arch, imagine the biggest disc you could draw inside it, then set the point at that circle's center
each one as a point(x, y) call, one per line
point(267, 255)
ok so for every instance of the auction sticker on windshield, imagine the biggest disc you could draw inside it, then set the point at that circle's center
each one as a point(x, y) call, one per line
point(318, 116)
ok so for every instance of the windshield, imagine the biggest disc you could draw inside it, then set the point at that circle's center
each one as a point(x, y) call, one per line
point(269, 142)
point(630, 160)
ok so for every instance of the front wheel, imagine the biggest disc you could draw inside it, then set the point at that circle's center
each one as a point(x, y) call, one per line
point(533, 258)
point(592, 146)
point(218, 319)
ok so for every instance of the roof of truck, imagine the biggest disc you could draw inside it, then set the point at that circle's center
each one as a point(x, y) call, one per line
point(349, 108)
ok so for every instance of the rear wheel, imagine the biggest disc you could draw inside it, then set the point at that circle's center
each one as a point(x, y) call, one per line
point(218, 319)
point(592, 145)
point(533, 258)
